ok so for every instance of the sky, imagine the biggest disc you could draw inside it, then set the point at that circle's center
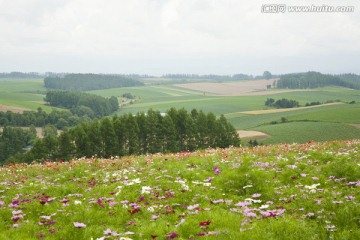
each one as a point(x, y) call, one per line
point(157, 37)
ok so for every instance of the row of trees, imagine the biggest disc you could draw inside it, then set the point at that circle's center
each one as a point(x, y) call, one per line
point(40, 118)
point(83, 103)
point(239, 76)
point(86, 82)
point(316, 80)
point(150, 132)
point(281, 103)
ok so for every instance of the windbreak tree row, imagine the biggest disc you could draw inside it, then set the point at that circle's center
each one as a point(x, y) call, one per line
point(315, 80)
point(150, 132)
point(87, 82)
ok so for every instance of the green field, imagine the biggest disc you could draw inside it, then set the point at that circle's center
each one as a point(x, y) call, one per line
point(22, 93)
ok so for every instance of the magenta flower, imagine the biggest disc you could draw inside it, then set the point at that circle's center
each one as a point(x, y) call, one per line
point(100, 203)
point(172, 235)
point(216, 170)
point(79, 225)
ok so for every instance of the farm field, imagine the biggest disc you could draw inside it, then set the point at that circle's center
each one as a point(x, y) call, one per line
point(286, 191)
point(22, 94)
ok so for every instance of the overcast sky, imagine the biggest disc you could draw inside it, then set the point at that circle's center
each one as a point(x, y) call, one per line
point(176, 36)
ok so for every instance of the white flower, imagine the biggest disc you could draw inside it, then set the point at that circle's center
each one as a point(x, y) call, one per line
point(145, 190)
point(77, 202)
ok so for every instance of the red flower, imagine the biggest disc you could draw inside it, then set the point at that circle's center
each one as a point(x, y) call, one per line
point(206, 223)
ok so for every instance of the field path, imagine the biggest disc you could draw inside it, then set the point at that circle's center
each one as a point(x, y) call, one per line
point(5, 108)
point(268, 111)
point(246, 134)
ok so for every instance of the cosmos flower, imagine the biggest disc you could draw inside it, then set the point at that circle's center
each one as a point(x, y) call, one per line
point(79, 225)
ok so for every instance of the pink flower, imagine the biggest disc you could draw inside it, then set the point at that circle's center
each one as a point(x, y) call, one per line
point(242, 204)
point(112, 203)
point(315, 178)
point(154, 217)
point(79, 225)
point(217, 201)
point(193, 207)
point(256, 195)
point(172, 235)
point(303, 175)
point(2, 203)
point(209, 179)
point(216, 170)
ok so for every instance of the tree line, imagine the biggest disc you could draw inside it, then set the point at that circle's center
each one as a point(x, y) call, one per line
point(316, 80)
point(83, 103)
point(87, 82)
point(281, 103)
point(150, 132)
point(40, 118)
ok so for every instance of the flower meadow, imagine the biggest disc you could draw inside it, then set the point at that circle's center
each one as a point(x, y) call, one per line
point(296, 191)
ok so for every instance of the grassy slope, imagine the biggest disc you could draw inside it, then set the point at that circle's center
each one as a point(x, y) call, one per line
point(15, 92)
point(268, 192)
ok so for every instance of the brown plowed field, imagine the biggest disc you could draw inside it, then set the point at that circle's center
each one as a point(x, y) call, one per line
point(5, 108)
point(241, 88)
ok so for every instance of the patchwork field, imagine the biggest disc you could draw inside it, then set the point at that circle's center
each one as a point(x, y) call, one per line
point(241, 102)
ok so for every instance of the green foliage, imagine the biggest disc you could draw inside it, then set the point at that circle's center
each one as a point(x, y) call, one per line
point(152, 132)
point(316, 80)
point(83, 103)
point(39, 118)
point(86, 82)
point(304, 131)
point(13, 140)
point(281, 103)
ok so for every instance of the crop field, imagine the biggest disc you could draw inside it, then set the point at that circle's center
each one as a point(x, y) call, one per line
point(233, 99)
point(21, 93)
point(295, 191)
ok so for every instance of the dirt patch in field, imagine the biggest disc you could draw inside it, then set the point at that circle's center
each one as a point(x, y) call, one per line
point(5, 108)
point(356, 125)
point(241, 88)
point(268, 111)
point(249, 134)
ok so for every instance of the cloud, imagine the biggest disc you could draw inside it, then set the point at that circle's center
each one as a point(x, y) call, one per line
point(192, 35)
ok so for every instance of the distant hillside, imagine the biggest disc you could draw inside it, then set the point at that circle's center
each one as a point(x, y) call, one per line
point(86, 82)
point(316, 80)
